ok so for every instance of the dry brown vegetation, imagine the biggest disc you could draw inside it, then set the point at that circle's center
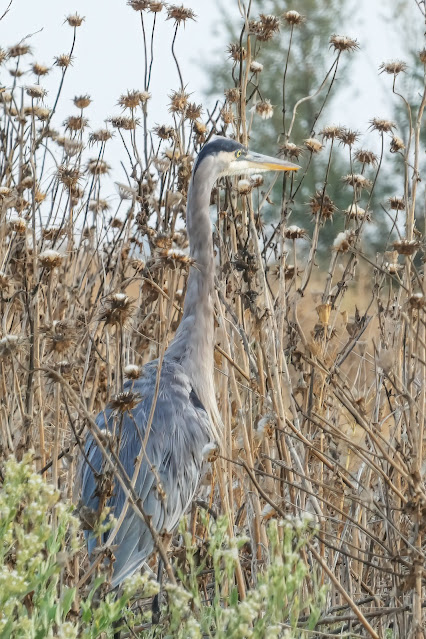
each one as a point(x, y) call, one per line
point(320, 375)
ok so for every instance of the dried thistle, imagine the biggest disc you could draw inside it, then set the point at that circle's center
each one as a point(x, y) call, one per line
point(121, 122)
point(244, 187)
point(291, 150)
point(366, 157)
point(265, 28)
point(393, 67)
point(71, 147)
point(74, 20)
point(68, 176)
point(42, 113)
point(116, 223)
point(382, 125)
point(97, 166)
point(3, 55)
point(354, 212)
point(265, 109)
point(117, 309)
point(131, 371)
point(37, 92)
point(138, 5)
point(294, 233)
point(75, 123)
point(227, 115)
point(133, 99)
point(101, 135)
point(331, 132)
point(18, 225)
point(406, 247)
point(178, 101)
point(343, 241)
point(61, 336)
point(50, 259)
point(174, 257)
point(236, 52)
point(82, 101)
point(313, 145)
point(18, 50)
point(98, 206)
point(294, 18)
point(9, 345)
point(165, 132)
point(180, 14)
point(357, 180)
point(348, 137)
point(322, 203)
point(156, 7)
point(4, 281)
point(63, 61)
point(39, 69)
point(343, 43)
point(396, 144)
point(397, 203)
point(193, 111)
point(256, 180)
point(125, 401)
point(256, 67)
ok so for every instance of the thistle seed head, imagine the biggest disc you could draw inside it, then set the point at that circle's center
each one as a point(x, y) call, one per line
point(121, 122)
point(265, 109)
point(244, 187)
point(63, 61)
point(178, 101)
point(50, 259)
point(131, 371)
point(37, 92)
point(322, 203)
point(18, 225)
point(265, 28)
point(397, 203)
point(348, 137)
point(179, 14)
point(291, 150)
point(74, 20)
point(313, 145)
point(97, 166)
point(357, 180)
point(331, 132)
point(98, 206)
point(422, 56)
point(256, 180)
point(9, 345)
point(393, 67)
point(165, 132)
point(82, 101)
point(75, 123)
point(406, 247)
point(42, 113)
point(61, 336)
point(355, 212)
point(236, 52)
point(227, 115)
point(18, 50)
point(366, 157)
point(382, 125)
point(256, 67)
point(156, 7)
point(343, 241)
point(68, 176)
point(294, 18)
point(193, 111)
point(40, 69)
point(101, 135)
point(133, 99)
point(117, 309)
point(294, 233)
point(396, 144)
point(138, 5)
point(343, 43)
point(125, 401)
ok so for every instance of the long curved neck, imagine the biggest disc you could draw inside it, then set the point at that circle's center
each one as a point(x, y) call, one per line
point(193, 344)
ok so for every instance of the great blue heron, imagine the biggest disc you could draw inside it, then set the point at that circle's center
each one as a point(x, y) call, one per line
point(185, 408)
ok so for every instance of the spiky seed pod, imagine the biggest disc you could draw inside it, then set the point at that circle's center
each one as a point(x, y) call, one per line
point(16, 73)
point(397, 203)
point(265, 109)
point(37, 92)
point(126, 401)
point(382, 125)
point(42, 113)
point(417, 301)
point(165, 132)
point(354, 212)
point(125, 191)
point(343, 241)
point(18, 225)
point(396, 144)
point(256, 180)
point(39, 69)
point(422, 56)
point(131, 371)
point(294, 233)
point(53, 233)
point(227, 115)
point(393, 67)
point(26, 183)
point(313, 145)
point(121, 122)
point(156, 7)
point(343, 43)
point(174, 257)
point(393, 268)
point(179, 14)
point(116, 223)
point(322, 203)
point(3, 55)
point(101, 135)
point(5, 191)
point(71, 147)
point(331, 132)
point(291, 150)
point(117, 309)
point(97, 166)
point(50, 259)
point(63, 61)
point(9, 345)
point(77, 193)
point(236, 52)
point(265, 28)
point(193, 111)
point(406, 247)
point(75, 20)
point(68, 176)
point(98, 206)
point(162, 240)
point(256, 67)
point(4, 281)
point(5, 97)
point(348, 137)
point(82, 101)
point(357, 181)
point(178, 101)
point(244, 187)
point(162, 165)
point(61, 336)
point(131, 99)
point(366, 157)
point(138, 5)
point(39, 196)
point(172, 154)
point(294, 18)
point(75, 123)
point(180, 238)
point(18, 50)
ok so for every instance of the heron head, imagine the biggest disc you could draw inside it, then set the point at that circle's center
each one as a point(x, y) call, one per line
point(225, 157)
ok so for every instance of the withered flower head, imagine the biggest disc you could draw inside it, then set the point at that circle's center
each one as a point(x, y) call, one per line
point(406, 247)
point(178, 101)
point(382, 125)
point(256, 180)
point(117, 309)
point(294, 18)
point(244, 187)
point(68, 176)
point(139, 5)
point(193, 111)
point(82, 101)
point(227, 115)
point(36, 92)
point(357, 180)
point(132, 99)
point(102, 135)
point(17, 224)
point(156, 7)
point(125, 401)
point(18, 50)
point(265, 109)
point(125, 191)
point(313, 145)
point(294, 233)
point(4, 281)
point(396, 144)
point(236, 52)
point(265, 28)
point(321, 203)
point(50, 259)
point(116, 223)
point(42, 113)
point(121, 122)
point(98, 206)
point(331, 132)
point(355, 212)
point(75, 123)
point(256, 67)
point(393, 67)
point(98, 166)
point(174, 257)
point(131, 371)
point(61, 336)
point(397, 203)
point(348, 136)
point(162, 165)
point(39, 69)
point(10, 344)
point(16, 73)
point(179, 14)
point(165, 132)
point(366, 157)
point(3, 55)
point(200, 128)
point(343, 241)
point(63, 61)
point(74, 20)
point(343, 43)
point(5, 97)
point(291, 150)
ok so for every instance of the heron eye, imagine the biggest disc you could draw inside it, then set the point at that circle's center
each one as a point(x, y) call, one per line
point(238, 153)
